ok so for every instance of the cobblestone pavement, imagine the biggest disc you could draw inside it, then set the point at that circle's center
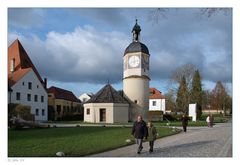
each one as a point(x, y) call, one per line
point(197, 142)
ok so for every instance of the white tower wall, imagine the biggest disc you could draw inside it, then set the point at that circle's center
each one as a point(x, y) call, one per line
point(136, 89)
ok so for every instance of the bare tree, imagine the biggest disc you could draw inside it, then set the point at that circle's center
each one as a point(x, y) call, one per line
point(170, 100)
point(187, 71)
point(209, 12)
point(156, 15)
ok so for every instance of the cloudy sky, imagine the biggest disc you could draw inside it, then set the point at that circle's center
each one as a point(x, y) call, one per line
point(81, 49)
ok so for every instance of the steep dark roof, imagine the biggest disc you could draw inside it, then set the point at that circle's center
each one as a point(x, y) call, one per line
point(107, 95)
point(136, 47)
point(63, 94)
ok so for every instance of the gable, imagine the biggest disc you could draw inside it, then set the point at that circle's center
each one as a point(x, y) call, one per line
point(22, 60)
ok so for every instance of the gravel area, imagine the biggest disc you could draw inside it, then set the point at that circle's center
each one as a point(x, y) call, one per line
point(197, 142)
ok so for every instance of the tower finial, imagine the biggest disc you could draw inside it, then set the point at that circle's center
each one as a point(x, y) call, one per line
point(136, 32)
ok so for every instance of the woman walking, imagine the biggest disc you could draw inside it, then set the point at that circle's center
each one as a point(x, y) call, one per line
point(208, 120)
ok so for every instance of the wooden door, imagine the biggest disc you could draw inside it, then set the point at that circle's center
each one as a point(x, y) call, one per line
point(102, 115)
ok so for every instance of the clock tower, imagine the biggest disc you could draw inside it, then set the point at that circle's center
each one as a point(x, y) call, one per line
point(136, 75)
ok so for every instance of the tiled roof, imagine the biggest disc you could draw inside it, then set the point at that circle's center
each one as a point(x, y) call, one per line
point(60, 93)
point(22, 60)
point(16, 76)
point(107, 95)
point(155, 94)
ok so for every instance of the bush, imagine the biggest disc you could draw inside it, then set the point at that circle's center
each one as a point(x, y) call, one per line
point(71, 117)
point(19, 110)
point(172, 117)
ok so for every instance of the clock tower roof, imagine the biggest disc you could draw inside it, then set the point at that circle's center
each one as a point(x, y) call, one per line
point(136, 47)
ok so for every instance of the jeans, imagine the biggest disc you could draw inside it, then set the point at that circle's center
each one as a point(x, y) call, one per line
point(139, 143)
point(184, 128)
point(151, 143)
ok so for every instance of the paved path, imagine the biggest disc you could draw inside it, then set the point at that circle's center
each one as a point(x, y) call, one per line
point(197, 142)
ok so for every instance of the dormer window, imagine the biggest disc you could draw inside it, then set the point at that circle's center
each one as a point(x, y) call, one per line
point(12, 65)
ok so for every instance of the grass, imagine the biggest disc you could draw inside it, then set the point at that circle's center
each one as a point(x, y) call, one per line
point(77, 141)
point(179, 124)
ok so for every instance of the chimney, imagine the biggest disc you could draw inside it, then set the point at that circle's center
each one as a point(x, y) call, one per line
point(45, 83)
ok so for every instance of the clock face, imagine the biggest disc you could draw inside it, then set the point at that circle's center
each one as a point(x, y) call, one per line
point(134, 61)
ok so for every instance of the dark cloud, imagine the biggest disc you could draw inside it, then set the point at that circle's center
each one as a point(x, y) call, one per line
point(93, 53)
point(110, 16)
point(25, 18)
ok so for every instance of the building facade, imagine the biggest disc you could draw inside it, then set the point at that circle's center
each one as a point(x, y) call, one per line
point(136, 76)
point(156, 100)
point(106, 106)
point(27, 87)
point(62, 103)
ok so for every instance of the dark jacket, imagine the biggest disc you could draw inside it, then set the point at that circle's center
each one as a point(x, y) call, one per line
point(139, 130)
point(185, 121)
point(152, 133)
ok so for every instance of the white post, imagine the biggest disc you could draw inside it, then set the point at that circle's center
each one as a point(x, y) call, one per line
point(192, 111)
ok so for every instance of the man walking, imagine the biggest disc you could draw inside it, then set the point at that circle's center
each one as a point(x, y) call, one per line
point(184, 120)
point(139, 131)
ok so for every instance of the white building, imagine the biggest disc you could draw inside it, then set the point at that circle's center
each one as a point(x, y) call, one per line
point(25, 82)
point(156, 101)
point(85, 97)
point(106, 106)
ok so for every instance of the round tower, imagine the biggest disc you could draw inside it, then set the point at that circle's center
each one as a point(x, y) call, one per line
point(136, 75)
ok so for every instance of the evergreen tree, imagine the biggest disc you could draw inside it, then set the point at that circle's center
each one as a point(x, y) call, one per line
point(197, 93)
point(221, 99)
point(182, 100)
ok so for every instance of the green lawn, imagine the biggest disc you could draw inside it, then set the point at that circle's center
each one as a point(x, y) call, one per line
point(179, 124)
point(78, 141)
point(202, 122)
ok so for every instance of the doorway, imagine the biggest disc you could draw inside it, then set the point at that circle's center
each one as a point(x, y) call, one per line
point(102, 115)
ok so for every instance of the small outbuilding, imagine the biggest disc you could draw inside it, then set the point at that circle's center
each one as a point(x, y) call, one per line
point(106, 106)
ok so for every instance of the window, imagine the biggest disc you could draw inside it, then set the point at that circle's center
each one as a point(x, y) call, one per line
point(84, 99)
point(12, 65)
point(88, 111)
point(37, 86)
point(29, 85)
point(18, 96)
point(64, 109)
point(43, 112)
point(29, 97)
point(135, 101)
point(154, 103)
point(49, 95)
point(58, 109)
point(42, 99)
point(23, 83)
point(35, 98)
point(37, 112)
